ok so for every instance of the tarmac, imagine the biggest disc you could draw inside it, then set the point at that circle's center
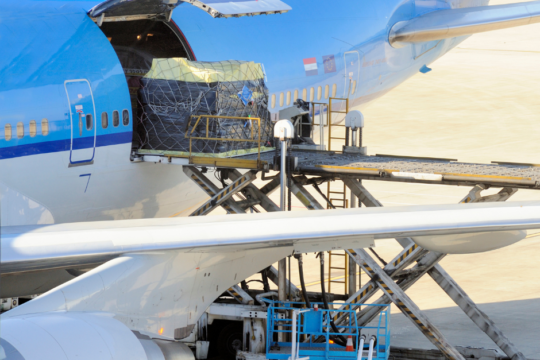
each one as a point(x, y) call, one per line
point(480, 103)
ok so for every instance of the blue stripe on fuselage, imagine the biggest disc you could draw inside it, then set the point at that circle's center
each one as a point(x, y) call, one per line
point(83, 143)
point(61, 145)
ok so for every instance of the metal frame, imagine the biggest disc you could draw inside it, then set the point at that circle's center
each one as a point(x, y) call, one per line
point(223, 162)
point(209, 188)
point(225, 194)
point(427, 262)
point(398, 275)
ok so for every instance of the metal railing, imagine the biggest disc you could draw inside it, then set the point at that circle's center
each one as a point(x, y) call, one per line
point(311, 325)
point(253, 135)
point(319, 111)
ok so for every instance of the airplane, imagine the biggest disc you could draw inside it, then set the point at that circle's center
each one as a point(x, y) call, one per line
point(58, 55)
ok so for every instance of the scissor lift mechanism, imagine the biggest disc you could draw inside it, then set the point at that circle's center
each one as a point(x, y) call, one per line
point(315, 167)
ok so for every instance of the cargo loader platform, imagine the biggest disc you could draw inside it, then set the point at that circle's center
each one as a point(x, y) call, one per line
point(378, 167)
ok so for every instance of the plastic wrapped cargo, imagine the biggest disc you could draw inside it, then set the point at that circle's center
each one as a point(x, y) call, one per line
point(175, 89)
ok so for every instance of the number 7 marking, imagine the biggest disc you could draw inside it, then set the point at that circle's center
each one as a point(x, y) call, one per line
point(89, 175)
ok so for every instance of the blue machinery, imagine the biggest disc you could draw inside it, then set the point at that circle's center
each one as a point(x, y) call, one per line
point(311, 334)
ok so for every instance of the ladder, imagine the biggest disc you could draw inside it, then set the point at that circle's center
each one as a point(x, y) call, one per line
point(332, 279)
point(332, 110)
point(337, 197)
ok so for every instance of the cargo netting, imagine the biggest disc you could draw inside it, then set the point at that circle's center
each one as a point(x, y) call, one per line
point(175, 91)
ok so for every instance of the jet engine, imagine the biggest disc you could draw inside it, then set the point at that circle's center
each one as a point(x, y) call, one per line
point(82, 336)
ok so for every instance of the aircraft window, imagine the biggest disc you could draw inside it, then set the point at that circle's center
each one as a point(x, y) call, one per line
point(20, 130)
point(319, 93)
point(334, 89)
point(115, 118)
point(295, 97)
point(273, 103)
point(288, 98)
point(304, 94)
point(326, 91)
point(45, 127)
point(104, 120)
point(311, 94)
point(281, 99)
point(33, 128)
point(125, 117)
point(354, 86)
point(7, 132)
point(89, 122)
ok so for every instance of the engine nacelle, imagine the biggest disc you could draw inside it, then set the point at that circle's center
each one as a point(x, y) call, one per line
point(82, 336)
point(470, 243)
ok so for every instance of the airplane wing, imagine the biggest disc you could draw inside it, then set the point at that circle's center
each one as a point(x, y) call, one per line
point(65, 245)
point(444, 24)
point(112, 10)
point(161, 275)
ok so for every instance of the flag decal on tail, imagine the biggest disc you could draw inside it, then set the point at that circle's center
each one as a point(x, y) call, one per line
point(310, 64)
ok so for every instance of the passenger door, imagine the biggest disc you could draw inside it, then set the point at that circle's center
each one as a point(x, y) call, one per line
point(83, 128)
point(352, 72)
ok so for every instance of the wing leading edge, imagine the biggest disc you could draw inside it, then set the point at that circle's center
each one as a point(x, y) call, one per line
point(445, 24)
point(56, 246)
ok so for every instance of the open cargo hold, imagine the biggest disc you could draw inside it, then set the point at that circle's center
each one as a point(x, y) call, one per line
point(175, 89)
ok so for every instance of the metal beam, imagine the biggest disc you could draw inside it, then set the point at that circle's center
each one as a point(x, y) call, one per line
point(225, 194)
point(211, 190)
point(273, 276)
point(255, 193)
point(394, 268)
point(441, 277)
point(240, 295)
point(270, 187)
point(304, 196)
point(404, 303)
point(360, 191)
point(427, 262)
point(468, 306)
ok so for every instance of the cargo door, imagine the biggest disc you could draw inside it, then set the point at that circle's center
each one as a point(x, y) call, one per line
point(82, 114)
point(352, 72)
point(122, 10)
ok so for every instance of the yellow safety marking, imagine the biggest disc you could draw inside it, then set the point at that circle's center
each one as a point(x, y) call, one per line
point(234, 293)
point(357, 299)
point(424, 328)
point(486, 176)
point(404, 255)
point(353, 168)
point(208, 205)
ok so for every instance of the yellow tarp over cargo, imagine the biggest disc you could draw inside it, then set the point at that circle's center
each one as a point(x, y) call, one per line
point(181, 69)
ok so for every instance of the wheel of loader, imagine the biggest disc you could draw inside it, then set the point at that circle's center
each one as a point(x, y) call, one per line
point(230, 340)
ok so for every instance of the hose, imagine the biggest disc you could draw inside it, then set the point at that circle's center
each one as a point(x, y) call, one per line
point(361, 347)
point(266, 284)
point(260, 296)
point(339, 339)
point(371, 344)
point(302, 282)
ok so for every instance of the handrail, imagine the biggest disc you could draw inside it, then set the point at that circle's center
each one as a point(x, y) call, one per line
point(193, 127)
point(279, 322)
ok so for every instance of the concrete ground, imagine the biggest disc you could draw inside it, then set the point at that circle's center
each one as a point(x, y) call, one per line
point(481, 103)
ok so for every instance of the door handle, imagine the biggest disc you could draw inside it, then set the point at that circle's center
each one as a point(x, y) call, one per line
point(80, 124)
